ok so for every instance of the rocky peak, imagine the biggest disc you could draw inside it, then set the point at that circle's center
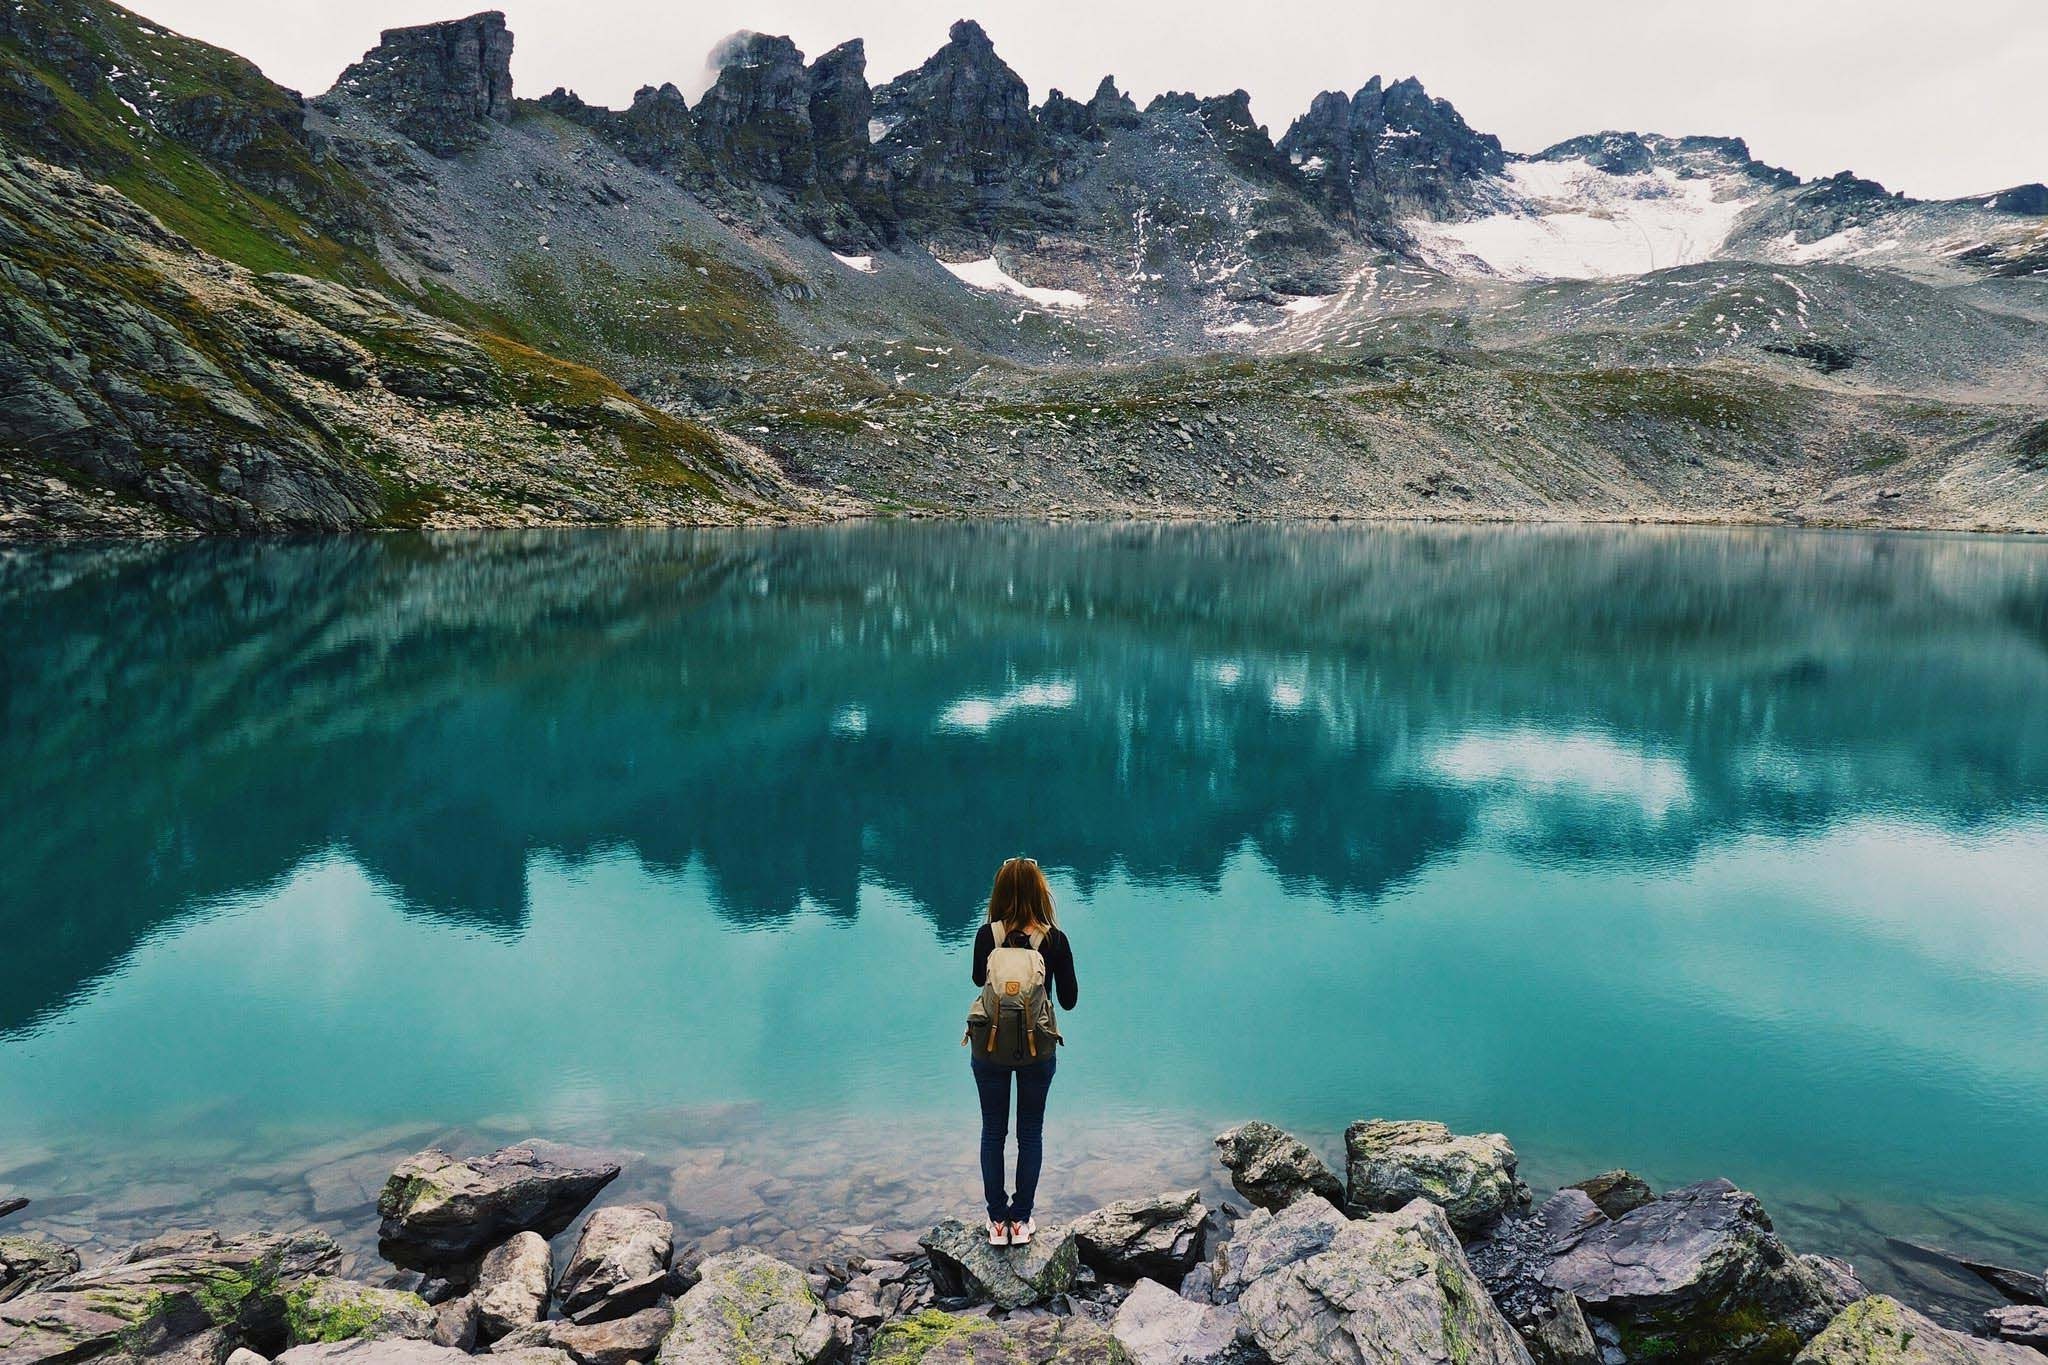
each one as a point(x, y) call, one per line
point(2026, 200)
point(439, 84)
point(963, 118)
point(1110, 107)
point(1064, 116)
point(655, 132)
point(841, 107)
point(1620, 153)
point(1390, 150)
point(755, 120)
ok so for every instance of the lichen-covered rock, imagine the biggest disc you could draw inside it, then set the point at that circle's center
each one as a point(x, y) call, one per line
point(167, 1291)
point(621, 1246)
point(1882, 1331)
point(441, 1211)
point(2024, 1323)
point(1159, 1237)
point(1699, 1272)
point(1615, 1192)
point(614, 1341)
point(1159, 1327)
point(1390, 1289)
point(750, 1308)
point(343, 1310)
point(935, 1338)
point(27, 1261)
point(512, 1285)
point(1273, 1168)
point(1262, 1242)
point(1471, 1176)
point(964, 1265)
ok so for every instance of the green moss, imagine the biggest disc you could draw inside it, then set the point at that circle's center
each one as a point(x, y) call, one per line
point(223, 1297)
point(1744, 1333)
point(905, 1341)
point(339, 1319)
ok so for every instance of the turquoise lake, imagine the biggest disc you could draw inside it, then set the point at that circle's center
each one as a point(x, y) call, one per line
point(1697, 851)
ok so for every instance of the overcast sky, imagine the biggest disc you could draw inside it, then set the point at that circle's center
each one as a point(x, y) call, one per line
point(1934, 97)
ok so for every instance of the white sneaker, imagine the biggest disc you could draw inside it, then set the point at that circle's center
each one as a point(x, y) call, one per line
point(1020, 1233)
point(998, 1233)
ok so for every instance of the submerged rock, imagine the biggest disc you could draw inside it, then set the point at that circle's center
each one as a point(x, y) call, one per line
point(341, 1310)
point(512, 1285)
point(1615, 1192)
point(1273, 1168)
point(1470, 1176)
point(1882, 1331)
point(752, 1308)
point(1159, 1327)
point(1698, 1272)
point(964, 1265)
point(440, 1211)
point(26, 1262)
point(1263, 1242)
point(11, 1203)
point(1160, 1237)
point(621, 1249)
point(1390, 1289)
point(614, 1341)
point(935, 1338)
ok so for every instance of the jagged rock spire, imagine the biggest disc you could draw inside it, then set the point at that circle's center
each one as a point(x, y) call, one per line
point(1389, 149)
point(437, 83)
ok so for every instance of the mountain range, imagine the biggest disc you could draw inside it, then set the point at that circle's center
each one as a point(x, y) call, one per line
point(420, 299)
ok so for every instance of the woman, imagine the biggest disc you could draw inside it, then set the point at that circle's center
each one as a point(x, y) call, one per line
point(1019, 916)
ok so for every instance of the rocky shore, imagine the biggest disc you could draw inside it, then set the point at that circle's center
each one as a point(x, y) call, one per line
point(1428, 1247)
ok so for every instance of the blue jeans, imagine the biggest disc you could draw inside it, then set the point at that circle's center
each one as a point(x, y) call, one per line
point(993, 1083)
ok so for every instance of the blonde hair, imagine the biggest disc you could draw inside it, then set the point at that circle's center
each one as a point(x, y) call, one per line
point(1020, 898)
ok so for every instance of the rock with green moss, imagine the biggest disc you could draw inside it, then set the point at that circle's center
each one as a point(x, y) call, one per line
point(345, 1310)
point(1882, 1331)
point(749, 1309)
point(440, 1210)
point(27, 1261)
point(935, 1338)
point(1390, 1289)
point(1274, 1168)
point(1700, 1273)
point(1472, 1176)
point(964, 1265)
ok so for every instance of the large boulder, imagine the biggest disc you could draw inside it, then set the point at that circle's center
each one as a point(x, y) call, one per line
point(169, 1290)
point(1699, 1273)
point(343, 1310)
point(1273, 1168)
point(623, 1250)
point(1159, 1327)
point(1263, 1242)
point(512, 1285)
point(964, 1265)
point(935, 1338)
point(613, 1341)
point(2024, 1323)
point(441, 1211)
point(26, 1262)
point(749, 1308)
point(1160, 1237)
point(1471, 1176)
point(1882, 1331)
point(1390, 1289)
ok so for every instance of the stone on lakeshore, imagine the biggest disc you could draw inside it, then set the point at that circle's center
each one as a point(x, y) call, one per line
point(1471, 1176)
point(1263, 1242)
point(27, 1261)
point(964, 1265)
point(1159, 1327)
point(1510, 1258)
point(512, 1285)
point(455, 1323)
point(402, 1351)
point(1273, 1168)
point(1882, 1331)
point(1390, 1289)
point(168, 1290)
point(242, 1355)
point(1159, 1238)
point(341, 1310)
point(440, 1211)
point(752, 1308)
point(614, 1341)
point(2025, 1323)
point(1615, 1192)
point(1698, 1272)
point(935, 1338)
point(621, 1245)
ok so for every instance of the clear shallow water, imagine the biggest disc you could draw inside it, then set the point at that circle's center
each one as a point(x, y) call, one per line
point(1703, 852)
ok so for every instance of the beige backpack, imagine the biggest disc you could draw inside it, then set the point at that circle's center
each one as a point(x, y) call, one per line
point(1010, 1022)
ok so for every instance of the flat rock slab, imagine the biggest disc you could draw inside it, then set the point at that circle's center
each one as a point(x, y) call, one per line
point(1882, 1331)
point(1390, 1289)
point(621, 1245)
point(749, 1308)
point(398, 1351)
point(616, 1341)
point(1159, 1327)
point(26, 1262)
point(441, 1211)
point(1470, 1175)
point(1158, 1238)
point(935, 1338)
point(964, 1265)
point(1274, 1168)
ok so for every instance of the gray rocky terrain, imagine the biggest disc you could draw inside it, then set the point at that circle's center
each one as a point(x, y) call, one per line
point(421, 298)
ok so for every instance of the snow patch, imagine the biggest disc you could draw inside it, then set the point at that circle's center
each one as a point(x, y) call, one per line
point(864, 264)
point(987, 274)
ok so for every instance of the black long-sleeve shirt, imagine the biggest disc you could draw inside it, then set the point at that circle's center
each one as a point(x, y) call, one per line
point(1059, 961)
